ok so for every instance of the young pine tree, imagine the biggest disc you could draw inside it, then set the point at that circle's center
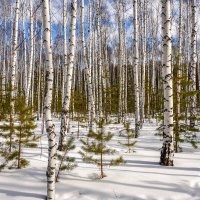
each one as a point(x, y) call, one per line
point(95, 149)
point(66, 163)
point(129, 134)
point(22, 136)
point(183, 132)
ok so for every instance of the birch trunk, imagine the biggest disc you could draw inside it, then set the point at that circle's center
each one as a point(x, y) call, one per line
point(167, 151)
point(67, 99)
point(90, 63)
point(125, 75)
point(4, 57)
point(99, 53)
point(65, 48)
point(14, 62)
point(178, 86)
point(193, 65)
point(143, 70)
point(87, 66)
point(24, 49)
point(136, 60)
point(29, 78)
point(120, 60)
point(39, 75)
point(47, 105)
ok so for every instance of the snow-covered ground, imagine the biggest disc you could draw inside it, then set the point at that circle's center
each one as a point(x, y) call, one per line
point(141, 178)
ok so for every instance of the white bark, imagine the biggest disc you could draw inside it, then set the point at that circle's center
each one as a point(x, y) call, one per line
point(136, 60)
point(14, 58)
point(39, 74)
point(29, 78)
point(167, 151)
point(87, 66)
point(177, 81)
point(180, 57)
point(120, 60)
point(143, 70)
point(4, 56)
point(71, 56)
point(24, 47)
point(90, 53)
point(65, 48)
point(47, 105)
point(99, 52)
point(125, 75)
point(192, 72)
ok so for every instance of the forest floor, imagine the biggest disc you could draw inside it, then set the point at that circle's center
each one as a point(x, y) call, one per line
point(141, 178)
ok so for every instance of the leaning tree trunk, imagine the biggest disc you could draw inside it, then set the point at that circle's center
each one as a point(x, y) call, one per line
point(192, 72)
point(71, 58)
point(167, 151)
point(136, 60)
point(47, 105)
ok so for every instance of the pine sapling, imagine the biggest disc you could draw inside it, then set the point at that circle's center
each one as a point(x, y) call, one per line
point(66, 163)
point(22, 136)
point(95, 149)
point(129, 134)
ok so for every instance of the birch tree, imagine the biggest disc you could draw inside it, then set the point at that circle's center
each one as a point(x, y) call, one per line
point(99, 53)
point(24, 48)
point(143, 70)
point(120, 59)
point(135, 66)
point(178, 86)
point(29, 77)
point(64, 47)
point(14, 63)
point(4, 55)
point(39, 72)
point(192, 71)
point(51, 168)
point(87, 68)
point(71, 59)
point(167, 151)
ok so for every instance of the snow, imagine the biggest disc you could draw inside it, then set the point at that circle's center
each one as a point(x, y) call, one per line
point(141, 178)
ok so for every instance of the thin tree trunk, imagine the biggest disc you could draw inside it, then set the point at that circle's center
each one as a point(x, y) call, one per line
point(178, 86)
point(87, 69)
point(29, 78)
point(143, 70)
point(120, 60)
point(136, 60)
point(13, 67)
point(193, 65)
point(4, 57)
point(24, 49)
point(99, 53)
point(67, 99)
point(64, 71)
point(39, 76)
